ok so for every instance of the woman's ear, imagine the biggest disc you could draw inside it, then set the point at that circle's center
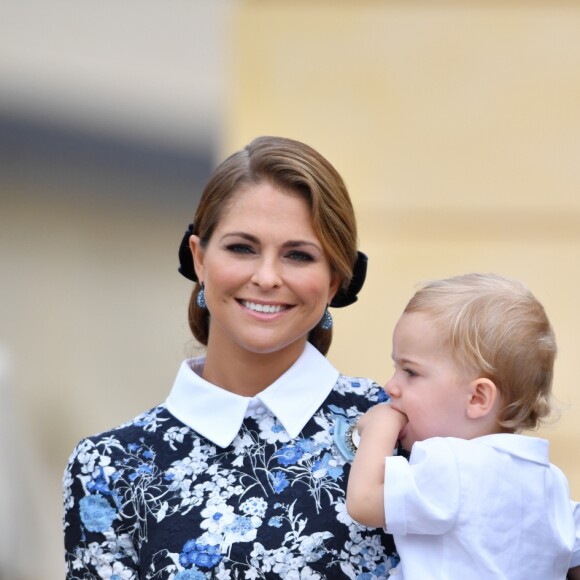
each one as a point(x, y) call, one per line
point(334, 286)
point(483, 398)
point(198, 257)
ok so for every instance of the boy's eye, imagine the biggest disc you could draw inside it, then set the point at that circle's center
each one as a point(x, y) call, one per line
point(410, 372)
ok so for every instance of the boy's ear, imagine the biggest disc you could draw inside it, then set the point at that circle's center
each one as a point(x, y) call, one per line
point(483, 398)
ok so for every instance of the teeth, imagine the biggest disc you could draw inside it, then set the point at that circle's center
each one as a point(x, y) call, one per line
point(268, 308)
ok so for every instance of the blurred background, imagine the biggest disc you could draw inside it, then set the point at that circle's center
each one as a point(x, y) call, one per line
point(455, 125)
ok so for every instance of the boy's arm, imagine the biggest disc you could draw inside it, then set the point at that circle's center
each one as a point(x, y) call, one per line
point(379, 430)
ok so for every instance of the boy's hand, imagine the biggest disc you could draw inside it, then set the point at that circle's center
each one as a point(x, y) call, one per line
point(379, 430)
point(383, 420)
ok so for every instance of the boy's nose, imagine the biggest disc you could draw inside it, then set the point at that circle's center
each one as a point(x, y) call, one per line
point(391, 389)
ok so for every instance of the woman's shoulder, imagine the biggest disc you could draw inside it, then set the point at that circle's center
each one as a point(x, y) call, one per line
point(151, 424)
point(362, 388)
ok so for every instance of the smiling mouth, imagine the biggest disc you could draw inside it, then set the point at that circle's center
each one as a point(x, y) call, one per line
point(264, 308)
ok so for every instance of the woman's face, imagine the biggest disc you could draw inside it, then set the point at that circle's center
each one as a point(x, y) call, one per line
point(267, 279)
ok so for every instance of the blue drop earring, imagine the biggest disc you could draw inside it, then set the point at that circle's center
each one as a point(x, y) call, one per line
point(201, 297)
point(326, 322)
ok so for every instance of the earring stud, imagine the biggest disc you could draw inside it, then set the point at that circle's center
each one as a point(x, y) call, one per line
point(200, 299)
point(326, 322)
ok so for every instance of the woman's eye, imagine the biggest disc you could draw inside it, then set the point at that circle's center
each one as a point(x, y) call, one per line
point(299, 256)
point(240, 249)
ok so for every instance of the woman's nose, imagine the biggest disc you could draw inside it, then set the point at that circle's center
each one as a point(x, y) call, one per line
point(267, 273)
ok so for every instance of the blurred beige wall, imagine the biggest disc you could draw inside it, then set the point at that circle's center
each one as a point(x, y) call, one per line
point(103, 110)
point(457, 129)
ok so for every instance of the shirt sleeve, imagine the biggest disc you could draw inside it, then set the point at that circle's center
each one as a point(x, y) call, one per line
point(576, 553)
point(422, 495)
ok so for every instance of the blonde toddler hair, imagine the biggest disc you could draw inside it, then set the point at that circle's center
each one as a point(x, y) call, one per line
point(495, 326)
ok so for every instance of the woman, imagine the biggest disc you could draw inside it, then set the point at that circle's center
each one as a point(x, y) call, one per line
point(241, 473)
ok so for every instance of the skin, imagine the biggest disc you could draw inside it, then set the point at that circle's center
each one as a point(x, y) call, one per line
point(379, 430)
point(439, 398)
point(267, 283)
point(431, 396)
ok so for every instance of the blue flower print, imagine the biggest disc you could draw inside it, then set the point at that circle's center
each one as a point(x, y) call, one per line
point(382, 396)
point(383, 570)
point(143, 469)
point(289, 455)
point(96, 513)
point(279, 481)
point(201, 555)
point(149, 421)
point(242, 527)
point(162, 501)
point(99, 484)
point(189, 575)
point(255, 506)
point(307, 445)
point(328, 465)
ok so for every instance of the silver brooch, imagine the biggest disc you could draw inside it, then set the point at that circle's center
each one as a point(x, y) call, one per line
point(352, 438)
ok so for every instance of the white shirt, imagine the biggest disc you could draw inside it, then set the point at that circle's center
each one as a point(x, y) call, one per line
point(217, 414)
point(491, 508)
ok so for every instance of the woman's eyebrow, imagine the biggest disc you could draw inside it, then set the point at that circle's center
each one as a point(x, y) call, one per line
point(243, 235)
point(299, 243)
point(288, 244)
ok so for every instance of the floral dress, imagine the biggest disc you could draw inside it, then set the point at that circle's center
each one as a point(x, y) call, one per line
point(153, 499)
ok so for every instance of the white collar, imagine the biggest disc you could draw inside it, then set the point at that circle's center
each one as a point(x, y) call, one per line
point(533, 449)
point(217, 414)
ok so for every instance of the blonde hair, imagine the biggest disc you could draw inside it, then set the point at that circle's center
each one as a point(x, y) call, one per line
point(299, 169)
point(495, 326)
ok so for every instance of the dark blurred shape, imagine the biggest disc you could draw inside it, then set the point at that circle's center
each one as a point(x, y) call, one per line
point(42, 156)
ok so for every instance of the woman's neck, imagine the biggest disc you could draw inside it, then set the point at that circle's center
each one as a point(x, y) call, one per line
point(247, 373)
